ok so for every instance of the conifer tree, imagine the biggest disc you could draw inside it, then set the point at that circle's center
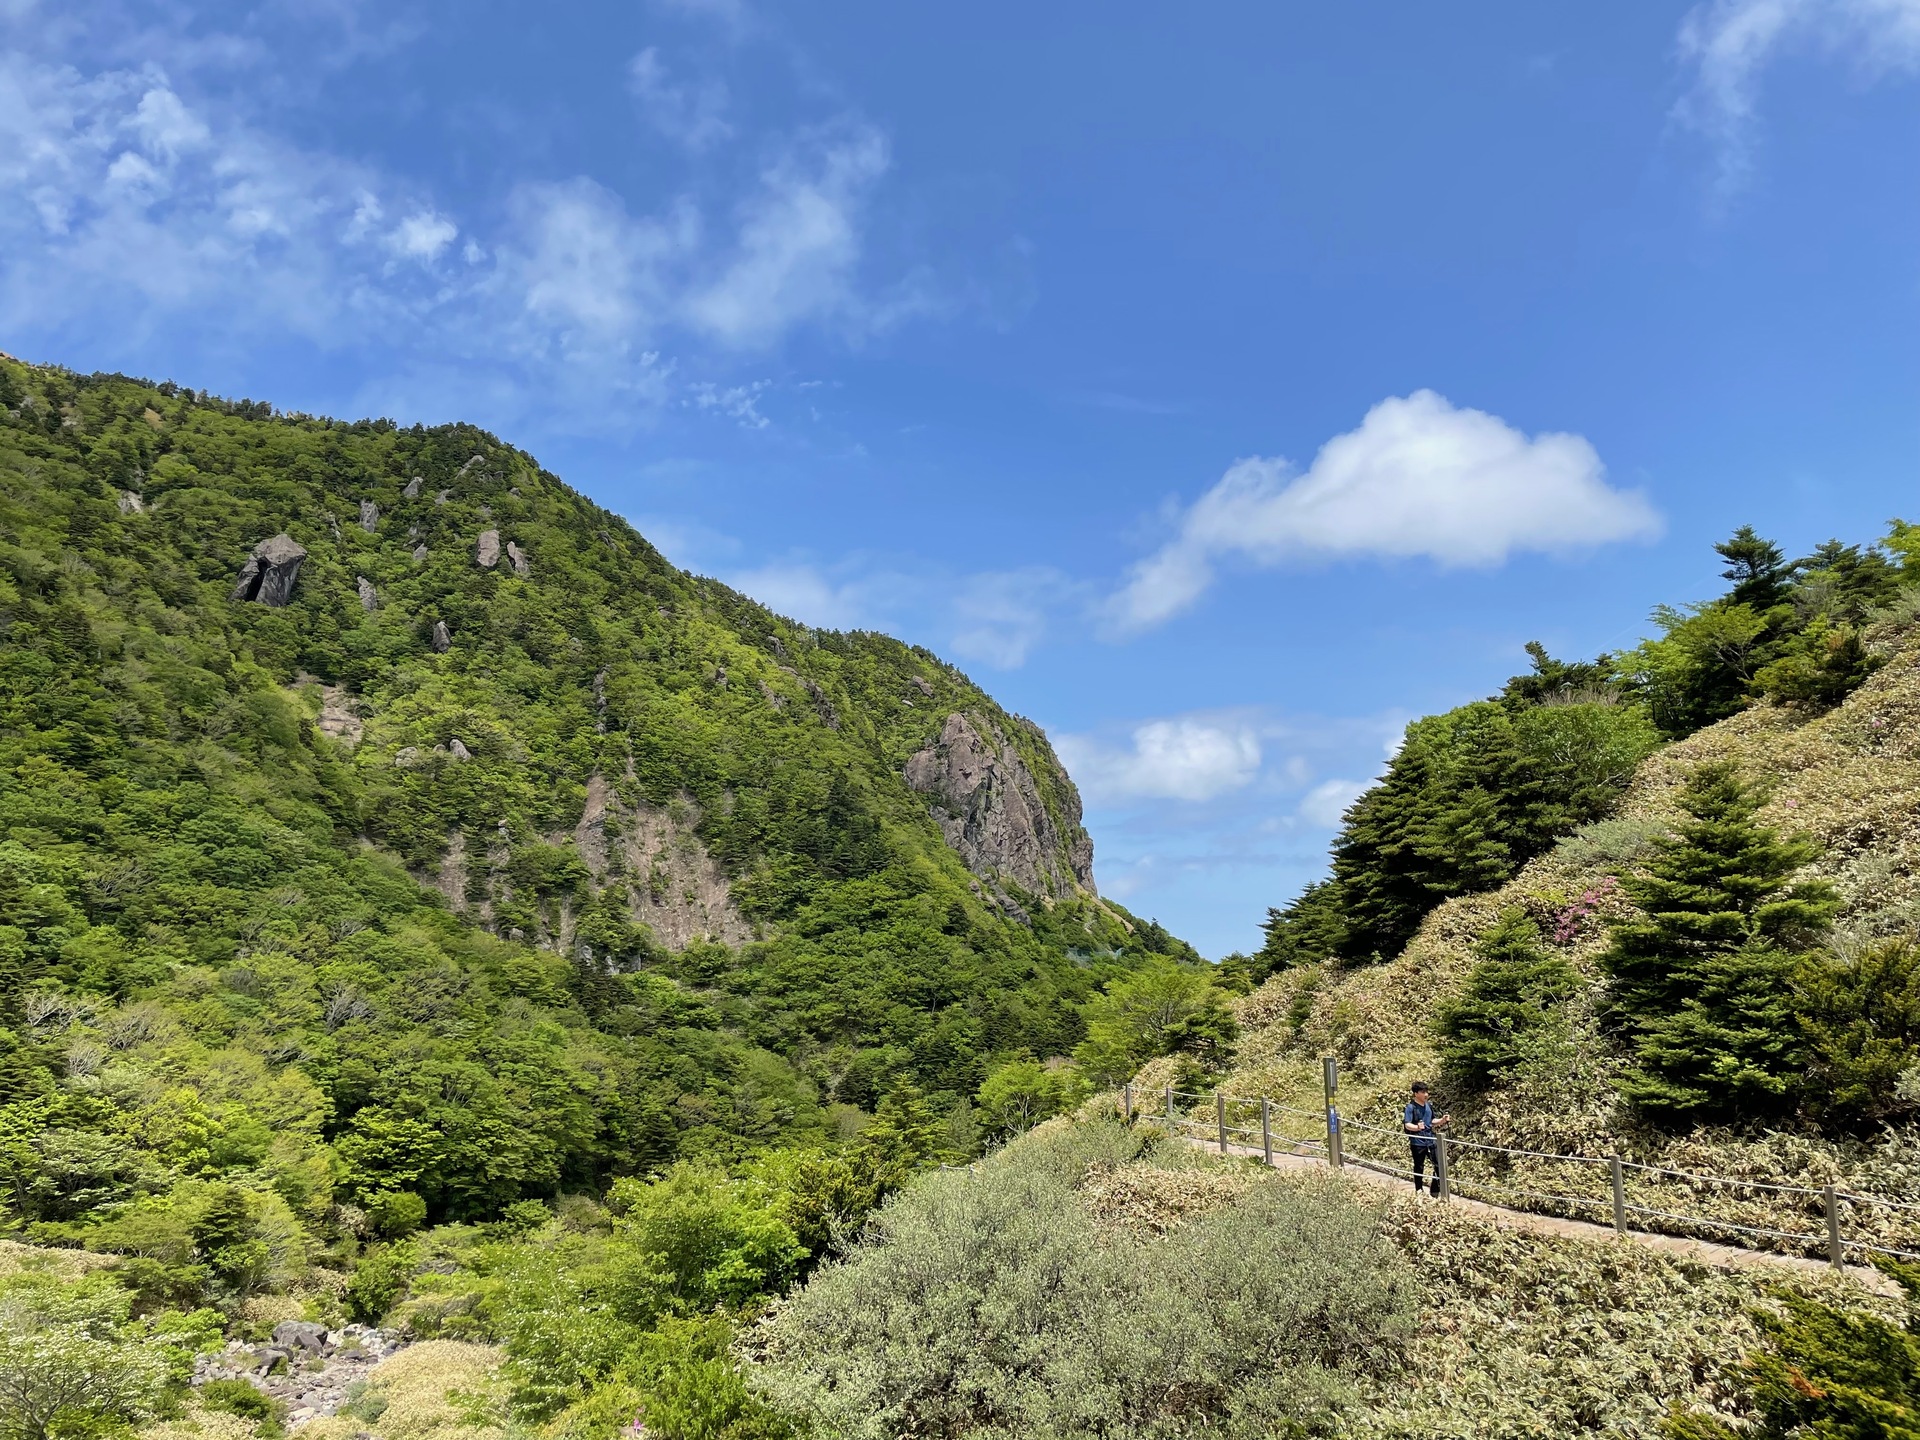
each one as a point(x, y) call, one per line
point(1508, 1000)
point(1828, 1374)
point(1758, 569)
point(1702, 978)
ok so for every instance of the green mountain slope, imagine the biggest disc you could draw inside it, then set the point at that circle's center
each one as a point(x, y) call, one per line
point(499, 857)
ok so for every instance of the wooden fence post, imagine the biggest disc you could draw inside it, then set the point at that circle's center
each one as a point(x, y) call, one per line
point(1126, 1092)
point(1266, 1128)
point(1836, 1252)
point(1619, 1196)
point(1441, 1188)
point(1170, 1107)
point(1220, 1117)
point(1330, 1072)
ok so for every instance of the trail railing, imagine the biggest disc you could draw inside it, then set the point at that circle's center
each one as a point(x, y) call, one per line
point(1828, 1222)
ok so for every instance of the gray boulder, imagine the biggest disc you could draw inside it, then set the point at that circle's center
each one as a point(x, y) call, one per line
point(519, 559)
point(130, 503)
point(270, 571)
point(369, 516)
point(458, 751)
point(419, 554)
point(412, 492)
point(488, 550)
point(442, 637)
point(293, 1335)
point(369, 597)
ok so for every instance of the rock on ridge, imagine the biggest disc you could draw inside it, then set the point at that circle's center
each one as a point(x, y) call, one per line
point(487, 552)
point(989, 808)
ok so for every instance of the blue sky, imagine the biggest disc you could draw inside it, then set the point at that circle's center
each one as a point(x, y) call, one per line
point(1221, 385)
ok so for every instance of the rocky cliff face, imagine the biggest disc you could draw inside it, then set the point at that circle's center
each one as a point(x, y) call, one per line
point(989, 807)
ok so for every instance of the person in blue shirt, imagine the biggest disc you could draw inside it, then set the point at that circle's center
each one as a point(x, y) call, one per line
point(1422, 1127)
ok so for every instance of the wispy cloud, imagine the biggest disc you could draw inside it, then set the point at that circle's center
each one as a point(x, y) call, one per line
point(133, 201)
point(1000, 617)
point(1729, 44)
point(1417, 478)
point(798, 243)
point(690, 113)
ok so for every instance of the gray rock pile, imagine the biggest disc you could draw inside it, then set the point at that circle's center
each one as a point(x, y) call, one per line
point(307, 1367)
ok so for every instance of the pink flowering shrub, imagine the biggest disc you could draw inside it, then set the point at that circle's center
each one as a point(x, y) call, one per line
point(1564, 923)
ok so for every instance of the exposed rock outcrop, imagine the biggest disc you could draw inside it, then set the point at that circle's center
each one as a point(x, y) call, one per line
point(270, 572)
point(519, 559)
point(442, 637)
point(989, 808)
point(369, 516)
point(412, 492)
point(419, 554)
point(130, 503)
point(337, 717)
point(369, 597)
point(487, 552)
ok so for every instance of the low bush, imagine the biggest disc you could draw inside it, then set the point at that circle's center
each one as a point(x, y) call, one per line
point(993, 1304)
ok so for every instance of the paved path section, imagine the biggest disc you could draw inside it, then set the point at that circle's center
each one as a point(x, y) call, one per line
point(1725, 1257)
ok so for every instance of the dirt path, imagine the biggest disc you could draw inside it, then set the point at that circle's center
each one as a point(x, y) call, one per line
point(1705, 1252)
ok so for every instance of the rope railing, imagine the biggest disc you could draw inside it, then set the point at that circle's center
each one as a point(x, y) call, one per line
point(1478, 1170)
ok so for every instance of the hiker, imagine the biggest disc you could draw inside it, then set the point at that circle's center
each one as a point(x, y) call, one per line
point(1422, 1127)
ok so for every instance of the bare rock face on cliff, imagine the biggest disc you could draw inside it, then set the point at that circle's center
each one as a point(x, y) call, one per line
point(989, 807)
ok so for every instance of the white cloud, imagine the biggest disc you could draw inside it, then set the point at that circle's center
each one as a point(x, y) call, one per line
point(1322, 806)
point(1417, 478)
point(739, 403)
point(1184, 758)
point(1730, 43)
point(423, 236)
point(798, 244)
point(693, 115)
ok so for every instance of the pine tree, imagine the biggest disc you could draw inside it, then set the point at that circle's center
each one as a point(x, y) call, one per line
point(1758, 569)
point(1508, 1000)
point(1702, 978)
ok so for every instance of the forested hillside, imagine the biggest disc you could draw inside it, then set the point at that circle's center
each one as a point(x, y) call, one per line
point(390, 832)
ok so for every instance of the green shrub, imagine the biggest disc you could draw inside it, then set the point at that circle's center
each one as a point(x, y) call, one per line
point(1828, 1374)
point(243, 1398)
point(380, 1281)
point(993, 1303)
point(1862, 1015)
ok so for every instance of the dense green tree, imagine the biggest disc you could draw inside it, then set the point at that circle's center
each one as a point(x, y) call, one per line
point(1702, 977)
point(1509, 999)
point(1862, 1016)
point(1165, 1009)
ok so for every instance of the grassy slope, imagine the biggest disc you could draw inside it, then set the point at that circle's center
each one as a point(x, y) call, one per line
point(1846, 778)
